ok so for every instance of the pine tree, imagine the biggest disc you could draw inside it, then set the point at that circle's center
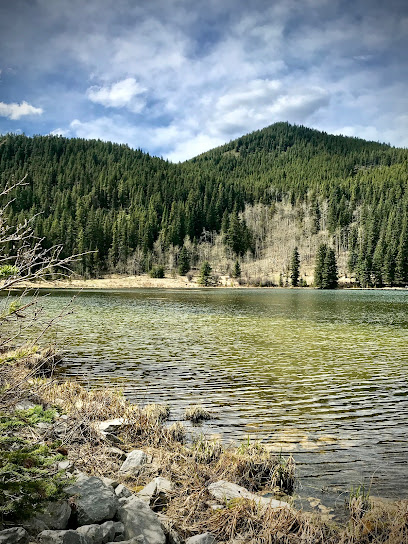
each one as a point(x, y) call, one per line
point(329, 276)
point(183, 261)
point(237, 270)
point(205, 274)
point(319, 266)
point(295, 266)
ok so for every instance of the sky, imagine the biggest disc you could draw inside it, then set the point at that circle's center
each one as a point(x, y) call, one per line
point(178, 77)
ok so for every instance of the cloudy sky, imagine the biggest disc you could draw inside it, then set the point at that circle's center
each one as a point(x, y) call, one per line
point(178, 77)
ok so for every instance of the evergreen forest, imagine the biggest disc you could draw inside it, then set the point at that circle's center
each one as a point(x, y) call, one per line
point(243, 206)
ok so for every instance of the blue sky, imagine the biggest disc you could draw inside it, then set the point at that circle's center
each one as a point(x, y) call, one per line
point(179, 77)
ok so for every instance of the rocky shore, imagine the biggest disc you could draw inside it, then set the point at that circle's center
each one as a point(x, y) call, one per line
point(107, 471)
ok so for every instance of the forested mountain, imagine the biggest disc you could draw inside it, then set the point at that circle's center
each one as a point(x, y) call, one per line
point(133, 210)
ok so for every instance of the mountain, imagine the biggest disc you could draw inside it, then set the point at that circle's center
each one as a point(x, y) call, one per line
point(254, 199)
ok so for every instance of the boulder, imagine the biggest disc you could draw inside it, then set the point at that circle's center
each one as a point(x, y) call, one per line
point(111, 426)
point(108, 531)
point(109, 482)
point(134, 461)
point(223, 490)
point(55, 516)
point(61, 537)
point(119, 528)
point(122, 491)
point(205, 538)
point(15, 535)
point(154, 488)
point(94, 500)
point(93, 533)
point(138, 520)
point(24, 404)
point(135, 540)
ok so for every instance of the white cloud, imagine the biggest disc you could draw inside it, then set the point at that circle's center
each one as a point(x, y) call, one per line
point(127, 93)
point(15, 111)
point(60, 132)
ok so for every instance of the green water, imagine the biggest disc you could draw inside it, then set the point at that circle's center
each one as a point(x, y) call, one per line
point(320, 374)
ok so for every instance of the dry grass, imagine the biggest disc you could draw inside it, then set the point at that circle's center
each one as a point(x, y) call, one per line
point(192, 468)
point(197, 413)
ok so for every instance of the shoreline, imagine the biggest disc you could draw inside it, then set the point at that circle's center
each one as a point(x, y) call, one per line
point(144, 281)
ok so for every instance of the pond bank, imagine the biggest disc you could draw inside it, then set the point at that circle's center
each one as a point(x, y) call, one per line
point(92, 446)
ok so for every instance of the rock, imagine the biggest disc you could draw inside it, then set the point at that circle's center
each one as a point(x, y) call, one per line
point(122, 491)
point(171, 534)
point(138, 519)
point(223, 490)
point(119, 453)
point(119, 528)
point(124, 500)
point(156, 491)
point(205, 538)
point(55, 516)
point(109, 482)
point(61, 537)
point(95, 501)
point(61, 428)
point(35, 526)
point(64, 465)
point(108, 531)
point(93, 533)
point(134, 461)
point(153, 488)
point(136, 540)
point(24, 404)
point(15, 535)
point(111, 425)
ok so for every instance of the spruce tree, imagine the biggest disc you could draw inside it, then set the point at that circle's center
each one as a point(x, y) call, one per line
point(319, 266)
point(294, 267)
point(183, 262)
point(237, 270)
point(329, 275)
point(205, 274)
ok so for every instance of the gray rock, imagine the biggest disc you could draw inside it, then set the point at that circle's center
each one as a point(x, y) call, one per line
point(119, 528)
point(158, 486)
point(223, 490)
point(136, 540)
point(205, 538)
point(134, 461)
point(138, 519)
point(111, 425)
point(65, 465)
point(108, 531)
point(171, 534)
point(62, 428)
point(35, 526)
point(122, 491)
point(24, 404)
point(93, 533)
point(109, 482)
point(15, 535)
point(95, 501)
point(55, 516)
point(61, 537)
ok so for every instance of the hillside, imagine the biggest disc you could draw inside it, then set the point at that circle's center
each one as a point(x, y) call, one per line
point(254, 199)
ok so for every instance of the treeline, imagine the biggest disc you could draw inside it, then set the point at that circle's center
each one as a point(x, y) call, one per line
point(118, 202)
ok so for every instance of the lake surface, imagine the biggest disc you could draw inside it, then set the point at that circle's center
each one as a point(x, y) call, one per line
point(321, 374)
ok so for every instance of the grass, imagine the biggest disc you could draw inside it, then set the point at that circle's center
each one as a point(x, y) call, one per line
point(197, 413)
